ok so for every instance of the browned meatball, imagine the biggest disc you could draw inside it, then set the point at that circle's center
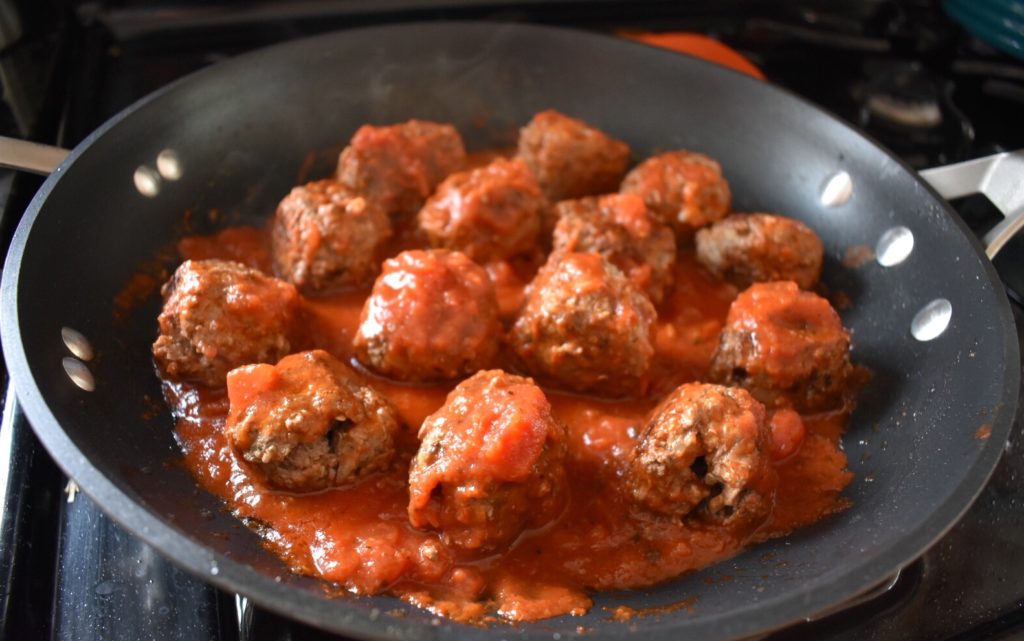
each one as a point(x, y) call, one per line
point(787, 346)
point(324, 237)
point(432, 315)
point(684, 189)
point(586, 327)
point(570, 158)
point(755, 248)
point(309, 422)
point(490, 463)
point(398, 166)
point(705, 452)
point(488, 213)
point(219, 315)
point(620, 228)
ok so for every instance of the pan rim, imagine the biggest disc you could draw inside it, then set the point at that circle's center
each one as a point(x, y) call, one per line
point(814, 596)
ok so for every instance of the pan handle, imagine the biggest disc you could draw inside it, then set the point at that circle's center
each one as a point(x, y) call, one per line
point(30, 156)
point(1000, 178)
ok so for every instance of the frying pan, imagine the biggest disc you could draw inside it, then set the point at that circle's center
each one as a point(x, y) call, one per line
point(233, 138)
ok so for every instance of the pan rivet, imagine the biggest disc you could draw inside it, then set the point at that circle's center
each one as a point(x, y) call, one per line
point(838, 189)
point(932, 320)
point(76, 343)
point(147, 181)
point(894, 246)
point(79, 373)
point(168, 165)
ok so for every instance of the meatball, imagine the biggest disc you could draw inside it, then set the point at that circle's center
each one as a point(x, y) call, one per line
point(488, 213)
point(705, 452)
point(398, 166)
point(432, 315)
point(309, 422)
point(218, 315)
point(787, 346)
point(570, 158)
point(620, 228)
point(491, 463)
point(586, 327)
point(755, 248)
point(324, 237)
point(685, 190)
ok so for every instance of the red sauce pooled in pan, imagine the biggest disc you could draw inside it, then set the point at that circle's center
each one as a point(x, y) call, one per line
point(360, 536)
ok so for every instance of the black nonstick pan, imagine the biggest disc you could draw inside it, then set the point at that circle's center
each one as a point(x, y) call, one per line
point(929, 316)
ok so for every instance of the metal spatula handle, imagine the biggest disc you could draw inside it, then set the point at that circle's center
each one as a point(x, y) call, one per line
point(30, 156)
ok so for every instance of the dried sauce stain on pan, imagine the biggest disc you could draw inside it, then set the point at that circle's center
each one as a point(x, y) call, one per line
point(984, 432)
point(857, 256)
point(359, 536)
point(317, 163)
point(248, 245)
point(625, 613)
point(144, 284)
point(153, 408)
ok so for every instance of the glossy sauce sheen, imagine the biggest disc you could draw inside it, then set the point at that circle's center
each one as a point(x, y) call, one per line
point(360, 536)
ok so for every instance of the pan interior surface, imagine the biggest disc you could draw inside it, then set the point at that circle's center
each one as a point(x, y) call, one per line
point(242, 133)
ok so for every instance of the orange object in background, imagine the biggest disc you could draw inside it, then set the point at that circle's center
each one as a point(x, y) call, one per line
point(697, 45)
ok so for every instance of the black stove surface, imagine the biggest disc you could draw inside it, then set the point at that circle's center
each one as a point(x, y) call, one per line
point(899, 69)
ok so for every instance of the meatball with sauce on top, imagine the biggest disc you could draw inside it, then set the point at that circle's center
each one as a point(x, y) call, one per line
point(432, 316)
point(324, 237)
point(490, 463)
point(705, 452)
point(684, 189)
point(309, 422)
point(787, 347)
point(619, 227)
point(570, 158)
point(586, 327)
point(755, 248)
point(398, 166)
point(218, 315)
point(489, 213)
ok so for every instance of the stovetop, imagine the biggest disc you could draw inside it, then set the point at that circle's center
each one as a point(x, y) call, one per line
point(900, 69)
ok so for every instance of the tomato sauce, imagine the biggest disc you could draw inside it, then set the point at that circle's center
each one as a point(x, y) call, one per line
point(360, 537)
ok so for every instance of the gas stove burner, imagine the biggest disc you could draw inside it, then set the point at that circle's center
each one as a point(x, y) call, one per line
point(904, 94)
point(909, 108)
point(909, 114)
